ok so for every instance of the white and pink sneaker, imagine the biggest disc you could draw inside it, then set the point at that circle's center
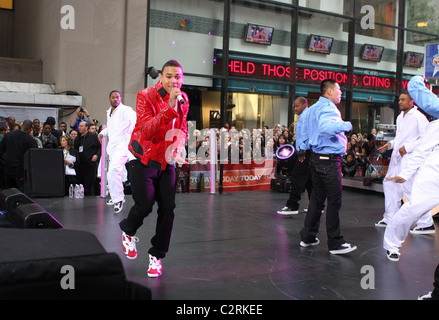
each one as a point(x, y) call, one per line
point(129, 246)
point(155, 267)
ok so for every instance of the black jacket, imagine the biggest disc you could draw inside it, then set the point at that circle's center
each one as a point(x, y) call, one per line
point(14, 145)
point(51, 142)
point(90, 146)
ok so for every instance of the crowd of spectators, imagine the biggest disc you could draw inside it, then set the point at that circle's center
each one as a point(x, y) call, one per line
point(362, 158)
point(46, 135)
point(240, 142)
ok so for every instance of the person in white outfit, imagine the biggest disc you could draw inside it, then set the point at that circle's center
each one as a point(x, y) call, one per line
point(410, 124)
point(423, 168)
point(121, 120)
point(429, 102)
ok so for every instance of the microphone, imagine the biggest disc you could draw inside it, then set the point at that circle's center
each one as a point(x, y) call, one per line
point(180, 99)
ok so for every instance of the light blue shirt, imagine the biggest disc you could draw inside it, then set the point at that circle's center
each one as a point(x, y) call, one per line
point(301, 138)
point(423, 97)
point(325, 129)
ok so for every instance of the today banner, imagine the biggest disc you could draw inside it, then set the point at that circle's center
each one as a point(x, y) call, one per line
point(236, 177)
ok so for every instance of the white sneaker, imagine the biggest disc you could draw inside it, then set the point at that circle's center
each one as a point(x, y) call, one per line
point(110, 202)
point(344, 248)
point(155, 267)
point(129, 246)
point(428, 230)
point(381, 224)
point(308, 244)
point(393, 256)
point(426, 296)
point(287, 211)
point(118, 206)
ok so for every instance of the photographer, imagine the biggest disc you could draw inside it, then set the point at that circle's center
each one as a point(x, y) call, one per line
point(80, 115)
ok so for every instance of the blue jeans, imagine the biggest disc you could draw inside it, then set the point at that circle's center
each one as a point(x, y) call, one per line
point(149, 185)
point(327, 185)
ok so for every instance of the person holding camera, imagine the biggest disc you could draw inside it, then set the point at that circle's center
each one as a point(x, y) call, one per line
point(80, 115)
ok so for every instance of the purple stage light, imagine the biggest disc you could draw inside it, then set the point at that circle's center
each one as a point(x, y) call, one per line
point(285, 152)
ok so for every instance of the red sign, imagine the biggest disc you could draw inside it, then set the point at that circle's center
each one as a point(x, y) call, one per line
point(236, 177)
point(241, 177)
point(261, 70)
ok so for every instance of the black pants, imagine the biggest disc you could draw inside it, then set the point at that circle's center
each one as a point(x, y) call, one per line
point(68, 181)
point(327, 185)
point(300, 180)
point(149, 185)
point(86, 175)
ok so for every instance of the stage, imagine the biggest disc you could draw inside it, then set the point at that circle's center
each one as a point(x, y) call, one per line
point(234, 246)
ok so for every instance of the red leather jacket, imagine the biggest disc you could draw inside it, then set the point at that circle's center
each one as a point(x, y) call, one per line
point(153, 137)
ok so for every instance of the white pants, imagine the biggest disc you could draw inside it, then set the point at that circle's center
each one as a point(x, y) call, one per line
point(395, 192)
point(116, 175)
point(424, 197)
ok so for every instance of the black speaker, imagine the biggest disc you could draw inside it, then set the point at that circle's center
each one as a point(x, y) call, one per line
point(61, 265)
point(32, 216)
point(44, 173)
point(11, 198)
point(22, 212)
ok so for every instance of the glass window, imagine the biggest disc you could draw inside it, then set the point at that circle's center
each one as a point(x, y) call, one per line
point(179, 25)
point(260, 41)
point(422, 16)
point(385, 13)
point(322, 54)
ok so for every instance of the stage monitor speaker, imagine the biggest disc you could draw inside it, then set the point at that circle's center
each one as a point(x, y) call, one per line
point(61, 265)
point(12, 198)
point(44, 173)
point(9, 200)
point(22, 212)
point(32, 216)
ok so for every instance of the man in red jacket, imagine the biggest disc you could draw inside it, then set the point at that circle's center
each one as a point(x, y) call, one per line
point(157, 142)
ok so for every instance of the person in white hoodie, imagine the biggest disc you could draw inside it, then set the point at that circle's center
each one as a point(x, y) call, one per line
point(423, 168)
point(121, 120)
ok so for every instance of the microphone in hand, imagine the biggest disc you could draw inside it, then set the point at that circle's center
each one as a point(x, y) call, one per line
point(180, 99)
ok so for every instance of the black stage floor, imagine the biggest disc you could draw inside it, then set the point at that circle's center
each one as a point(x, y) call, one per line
point(234, 246)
